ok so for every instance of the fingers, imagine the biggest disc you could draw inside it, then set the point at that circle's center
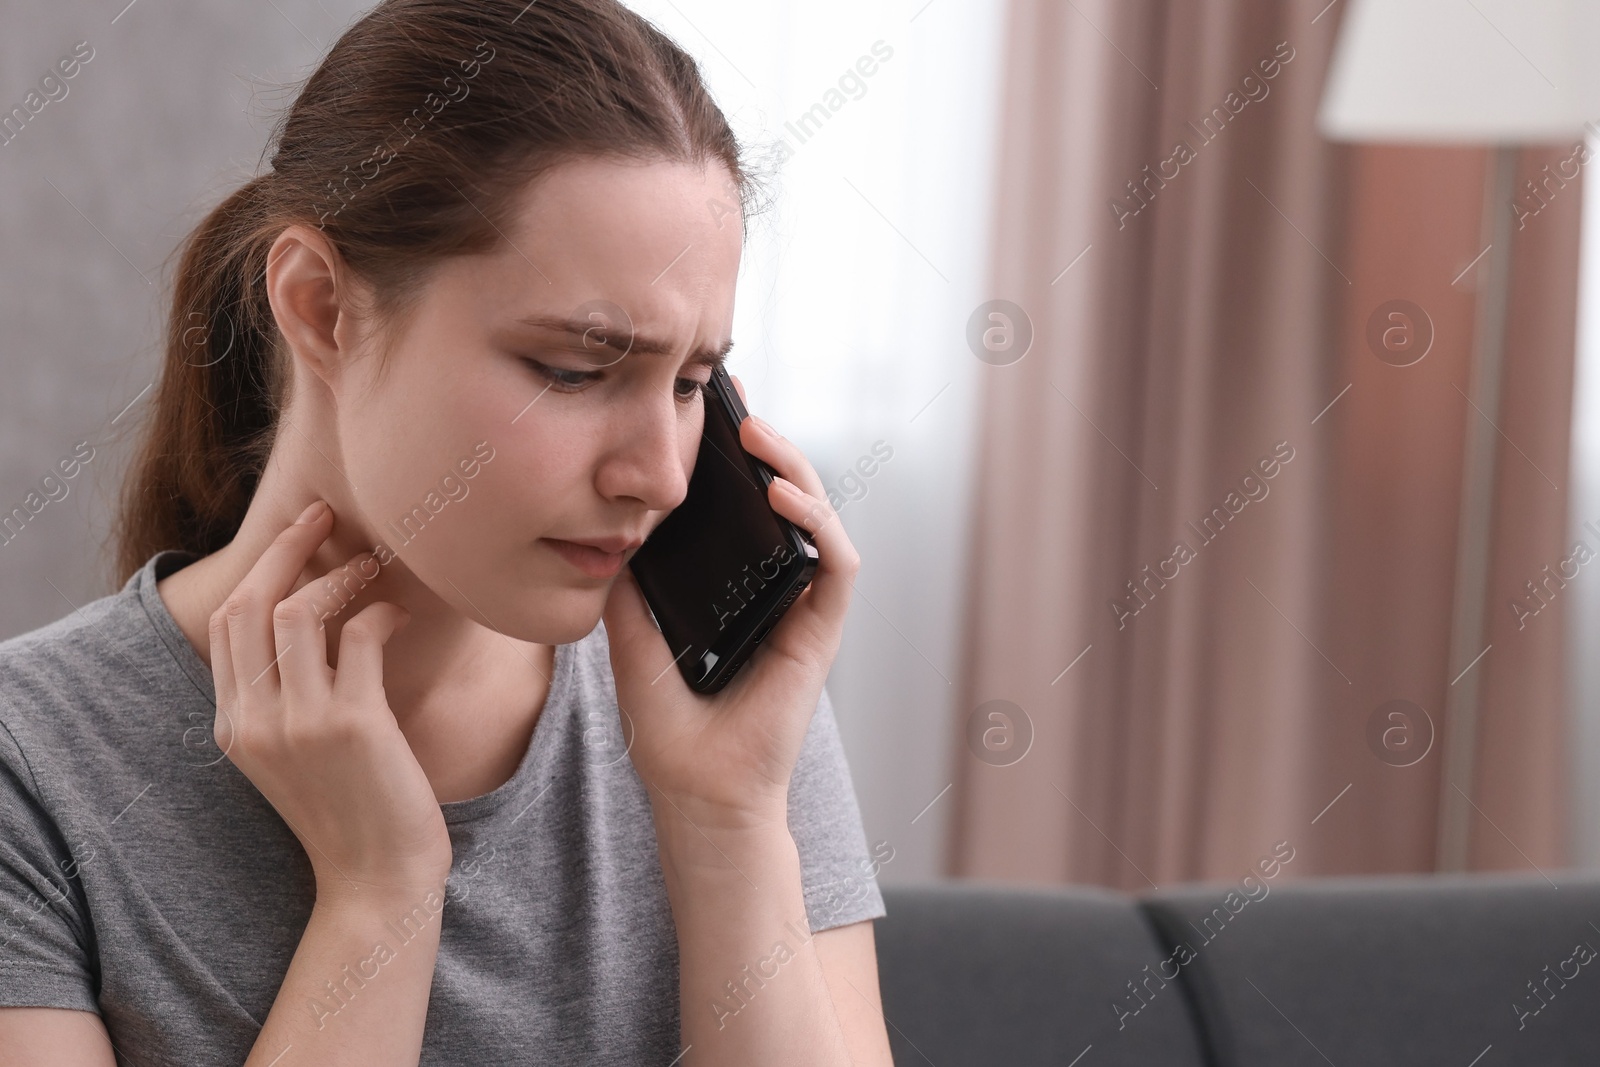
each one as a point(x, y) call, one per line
point(249, 608)
point(633, 638)
point(781, 454)
point(360, 671)
point(300, 627)
point(799, 496)
point(837, 557)
point(222, 680)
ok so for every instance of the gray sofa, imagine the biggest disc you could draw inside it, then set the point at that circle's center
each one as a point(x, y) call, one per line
point(1459, 971)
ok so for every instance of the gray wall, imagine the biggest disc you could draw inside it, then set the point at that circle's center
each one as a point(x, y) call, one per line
point(170, 112)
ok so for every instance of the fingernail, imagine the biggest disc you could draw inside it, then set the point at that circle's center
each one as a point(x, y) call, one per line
point(312, 513)
point(762, 426)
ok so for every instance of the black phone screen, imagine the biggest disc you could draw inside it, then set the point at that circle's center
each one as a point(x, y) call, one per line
point(722, 567)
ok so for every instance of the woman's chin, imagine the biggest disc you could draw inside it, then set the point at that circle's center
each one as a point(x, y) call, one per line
point(561, 617)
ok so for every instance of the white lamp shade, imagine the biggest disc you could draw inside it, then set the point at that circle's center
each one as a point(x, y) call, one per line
point(1471, 71)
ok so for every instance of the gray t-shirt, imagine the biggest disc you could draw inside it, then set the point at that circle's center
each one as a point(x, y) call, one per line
point(142, 875)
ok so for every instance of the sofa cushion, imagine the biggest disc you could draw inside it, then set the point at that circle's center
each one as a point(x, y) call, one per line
point(978, 974)
point(1455, 970)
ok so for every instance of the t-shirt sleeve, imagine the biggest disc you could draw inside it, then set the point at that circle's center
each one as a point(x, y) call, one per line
point(44, 961)
point(838, 871)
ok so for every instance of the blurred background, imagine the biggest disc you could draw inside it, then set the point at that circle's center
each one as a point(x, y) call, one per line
point(1212, 388)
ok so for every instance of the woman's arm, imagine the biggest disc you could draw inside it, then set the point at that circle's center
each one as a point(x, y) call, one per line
point(343, 1001)
point(54, 1037)
point(356, 992)
point(753, 987)
point(323, 747)
point(751, 983)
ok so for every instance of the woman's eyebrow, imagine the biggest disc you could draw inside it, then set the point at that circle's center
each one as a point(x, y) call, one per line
point(589, 333)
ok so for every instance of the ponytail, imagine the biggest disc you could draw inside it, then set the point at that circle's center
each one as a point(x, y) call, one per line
point(216, 404)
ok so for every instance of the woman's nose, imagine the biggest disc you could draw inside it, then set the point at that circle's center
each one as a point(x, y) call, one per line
point(644, 459)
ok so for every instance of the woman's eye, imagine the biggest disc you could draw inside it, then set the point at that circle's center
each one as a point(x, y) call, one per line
point(686, 389)
point(564, 379)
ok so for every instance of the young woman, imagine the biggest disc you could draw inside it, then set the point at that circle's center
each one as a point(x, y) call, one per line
point(376, 757)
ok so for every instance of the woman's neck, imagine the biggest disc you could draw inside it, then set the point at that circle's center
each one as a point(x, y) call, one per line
point(465, 697)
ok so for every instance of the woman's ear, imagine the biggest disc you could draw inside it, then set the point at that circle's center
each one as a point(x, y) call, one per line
point(305, 277)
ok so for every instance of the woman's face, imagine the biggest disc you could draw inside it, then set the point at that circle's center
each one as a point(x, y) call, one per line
point(490, 442)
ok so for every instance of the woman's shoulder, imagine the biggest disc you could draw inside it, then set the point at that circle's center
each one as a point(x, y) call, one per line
point(52, 659)
point(92, 675)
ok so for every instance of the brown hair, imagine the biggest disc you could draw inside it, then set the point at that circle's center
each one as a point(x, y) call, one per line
point(406, 145)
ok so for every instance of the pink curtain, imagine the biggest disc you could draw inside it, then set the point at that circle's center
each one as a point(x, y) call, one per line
point(1214, 533)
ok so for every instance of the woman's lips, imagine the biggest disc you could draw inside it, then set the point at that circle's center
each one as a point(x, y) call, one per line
point(588, 560)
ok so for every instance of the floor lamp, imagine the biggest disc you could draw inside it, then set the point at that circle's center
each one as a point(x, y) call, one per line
point(1502, 74)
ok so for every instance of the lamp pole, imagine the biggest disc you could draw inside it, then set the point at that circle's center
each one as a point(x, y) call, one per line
point(1469, 611)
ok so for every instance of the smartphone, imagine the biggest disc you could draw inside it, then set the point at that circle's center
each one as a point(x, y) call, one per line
point(721, 569)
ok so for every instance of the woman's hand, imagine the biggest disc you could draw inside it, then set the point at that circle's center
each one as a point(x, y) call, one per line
point(726, 759)
point(322, 745)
